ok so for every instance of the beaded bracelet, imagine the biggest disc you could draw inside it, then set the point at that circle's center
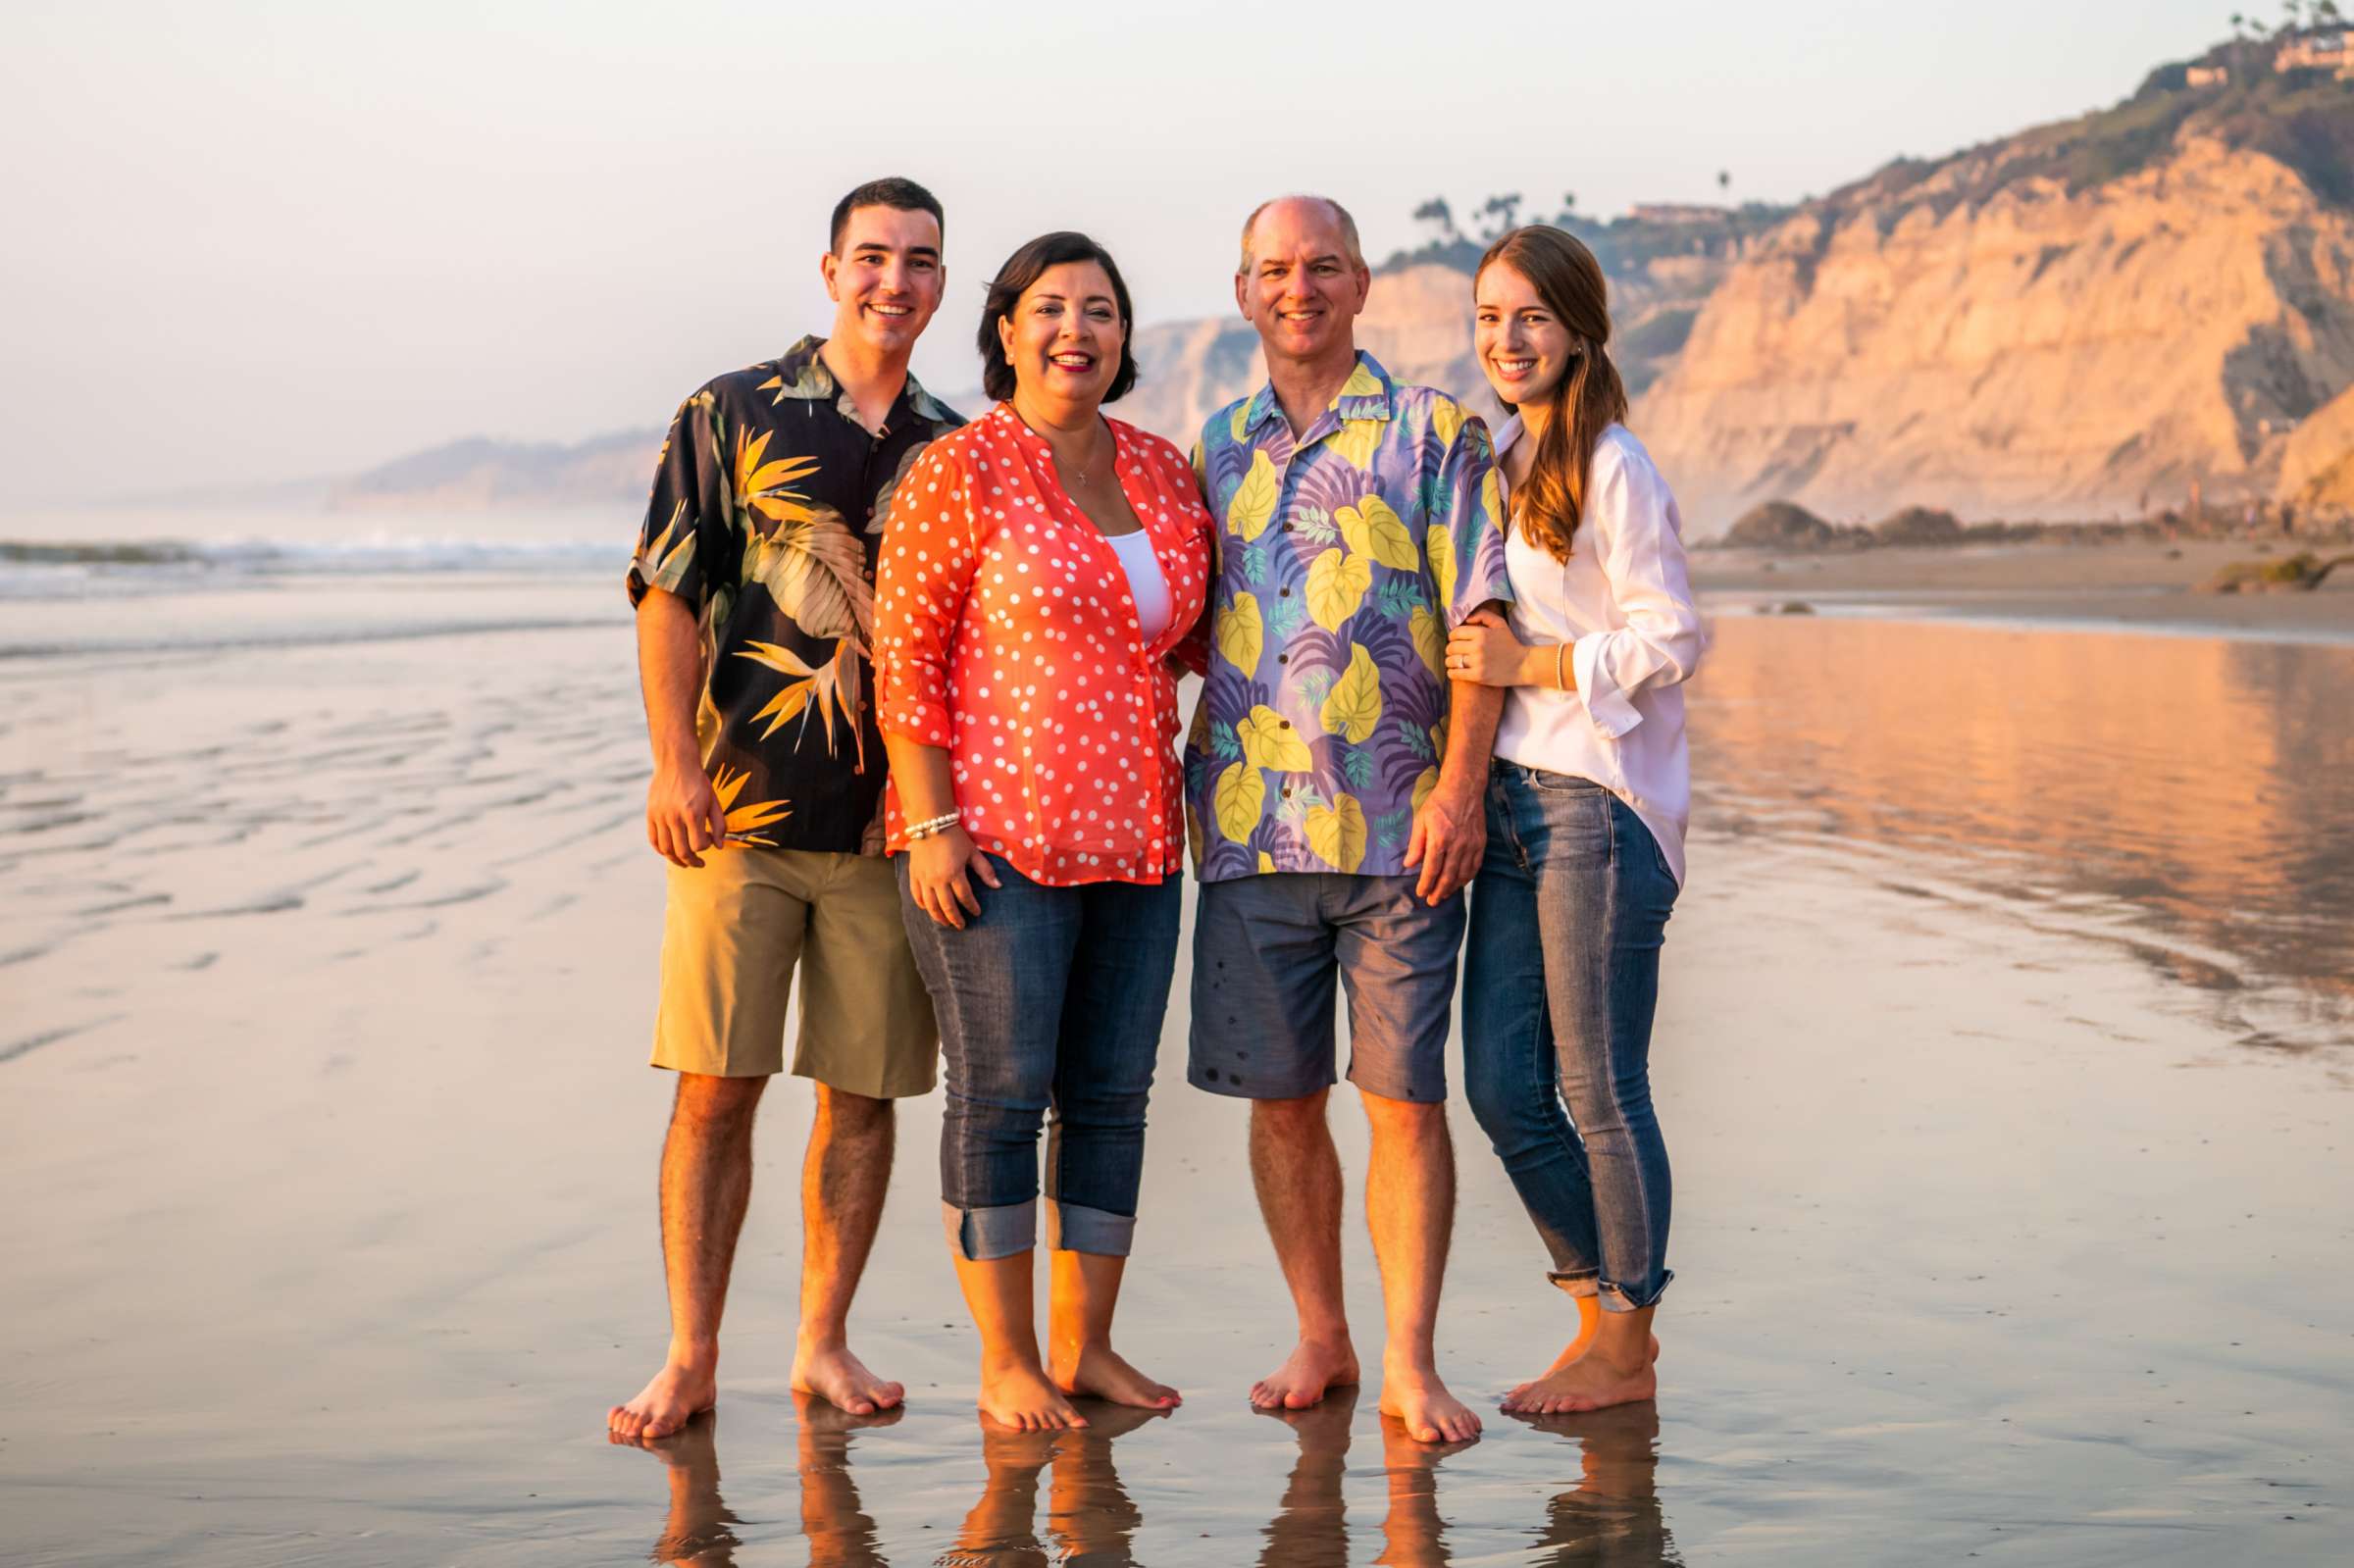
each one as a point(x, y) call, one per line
point(925, 830)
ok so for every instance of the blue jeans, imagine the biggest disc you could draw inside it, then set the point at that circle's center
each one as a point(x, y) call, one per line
point(1051, 998)
point(1561, 977)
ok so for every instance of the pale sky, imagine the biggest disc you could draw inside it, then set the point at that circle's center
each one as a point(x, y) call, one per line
point(248, 241)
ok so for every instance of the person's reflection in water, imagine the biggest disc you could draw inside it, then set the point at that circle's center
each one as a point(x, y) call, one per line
point(1311, 1529)
point(838, 1529)
point(1090, 1517)
point(698, 1530)
point(1612, 1518)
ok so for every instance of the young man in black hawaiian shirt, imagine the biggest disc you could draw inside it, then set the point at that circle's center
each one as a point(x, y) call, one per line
point(753, 587)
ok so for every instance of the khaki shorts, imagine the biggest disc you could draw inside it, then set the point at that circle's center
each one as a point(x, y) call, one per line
point(733, 934)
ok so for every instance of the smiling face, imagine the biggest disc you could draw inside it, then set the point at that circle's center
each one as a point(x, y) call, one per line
point(1063, 336)
point(886, 278)
point(1300, 287)
point(1522, 345)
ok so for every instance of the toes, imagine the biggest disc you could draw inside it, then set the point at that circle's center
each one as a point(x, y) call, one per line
point(889, 1394)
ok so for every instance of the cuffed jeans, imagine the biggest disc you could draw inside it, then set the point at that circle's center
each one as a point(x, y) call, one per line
point(1561, 978)
point(1049, 999)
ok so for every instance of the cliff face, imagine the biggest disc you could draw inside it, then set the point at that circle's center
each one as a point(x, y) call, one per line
point(2040, 351)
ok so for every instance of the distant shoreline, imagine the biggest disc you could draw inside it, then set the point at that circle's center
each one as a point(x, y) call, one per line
point(2127, 585)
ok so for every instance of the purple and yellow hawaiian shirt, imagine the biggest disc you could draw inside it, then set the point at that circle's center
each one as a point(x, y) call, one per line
point(1344, 559)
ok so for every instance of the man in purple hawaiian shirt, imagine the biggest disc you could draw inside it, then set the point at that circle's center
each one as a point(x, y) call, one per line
point(1335, 778)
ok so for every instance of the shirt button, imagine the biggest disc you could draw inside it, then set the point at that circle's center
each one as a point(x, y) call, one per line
point(1283, 658)
point(1286, 722)
point(1286, 791)
point(1286, 527)
point(1283, 593)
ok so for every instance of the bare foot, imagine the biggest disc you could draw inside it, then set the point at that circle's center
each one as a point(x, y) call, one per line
point(679, 1392)
point(1098, 1372)
point(1314, 1369)
point(841, 1379)
point(1022, 1396)
point(1569, 1357)
point(1424, 1408)
point(1592, 1381)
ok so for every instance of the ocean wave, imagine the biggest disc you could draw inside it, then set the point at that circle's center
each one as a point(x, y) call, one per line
point(32, 568)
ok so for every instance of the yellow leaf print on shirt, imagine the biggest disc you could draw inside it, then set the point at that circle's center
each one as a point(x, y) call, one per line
point(1491, 499)
point(1430, 638)
point(1254, 500)
point(1240, 423)
point(1361, 382)
point(1336, 586)
point(1354, 708)
point(1240, 632)
point(762, 485)
point(1446, 418)
point(745, 822)
point(1438, 544)
point(1423, 785)
point(1337, 832)
point(1270, 741)
point(1356, 440)
point(1241, 794)
point(1267, 862)
point(1372, 528)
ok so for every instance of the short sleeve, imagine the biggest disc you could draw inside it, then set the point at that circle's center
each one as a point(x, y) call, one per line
point(688, 540)
point(1468, 564)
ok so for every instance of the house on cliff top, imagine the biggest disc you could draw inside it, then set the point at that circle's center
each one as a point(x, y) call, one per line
point(2329, 49)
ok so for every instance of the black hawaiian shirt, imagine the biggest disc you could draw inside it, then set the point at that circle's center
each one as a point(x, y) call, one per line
point(767, 514)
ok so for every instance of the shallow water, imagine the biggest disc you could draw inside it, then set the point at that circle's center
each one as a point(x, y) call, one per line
point(2004, 1057)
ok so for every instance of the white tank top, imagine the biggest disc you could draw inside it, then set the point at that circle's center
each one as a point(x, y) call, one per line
point(1145, 582)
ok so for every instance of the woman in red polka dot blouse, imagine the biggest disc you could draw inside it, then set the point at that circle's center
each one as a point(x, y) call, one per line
point(1040, 570)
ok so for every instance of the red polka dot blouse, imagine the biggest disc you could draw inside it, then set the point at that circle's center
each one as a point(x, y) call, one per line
point(1006, 631)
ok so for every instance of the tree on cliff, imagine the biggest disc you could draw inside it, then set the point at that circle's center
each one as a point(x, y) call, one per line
point(1440, 218)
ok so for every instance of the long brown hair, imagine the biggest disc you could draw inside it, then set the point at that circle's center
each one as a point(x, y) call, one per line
point(1587, 399)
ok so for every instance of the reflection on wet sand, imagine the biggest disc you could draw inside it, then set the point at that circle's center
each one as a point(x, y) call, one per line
point(2192, 797)
point(1612, 1518)
point(700, 1528)
point(1090, 1517)
point(1311, 1529)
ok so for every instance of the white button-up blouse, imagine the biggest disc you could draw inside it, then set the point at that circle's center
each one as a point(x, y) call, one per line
point(1623, 603)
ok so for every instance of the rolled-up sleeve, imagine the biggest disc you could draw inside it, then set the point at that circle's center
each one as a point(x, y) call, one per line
point(927, 566)
point(1639, 533)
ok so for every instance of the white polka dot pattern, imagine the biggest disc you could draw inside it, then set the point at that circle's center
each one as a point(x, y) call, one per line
point(1006, 633)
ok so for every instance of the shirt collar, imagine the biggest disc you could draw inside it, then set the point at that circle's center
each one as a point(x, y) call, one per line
point(801, 373)
point(1365, 395)
point(1508, 435)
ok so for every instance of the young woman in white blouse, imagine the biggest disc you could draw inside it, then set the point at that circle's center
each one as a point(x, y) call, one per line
point(1586, 806)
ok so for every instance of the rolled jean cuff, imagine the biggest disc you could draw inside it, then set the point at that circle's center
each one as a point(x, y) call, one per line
point(1618, 1299)
point(1580, 1283)
point(1075, 1228)
point(983, 1236)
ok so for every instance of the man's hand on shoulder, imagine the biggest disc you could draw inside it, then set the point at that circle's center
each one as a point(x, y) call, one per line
point(683, 814)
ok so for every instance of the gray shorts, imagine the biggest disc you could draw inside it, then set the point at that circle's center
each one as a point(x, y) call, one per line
point(1265, 951)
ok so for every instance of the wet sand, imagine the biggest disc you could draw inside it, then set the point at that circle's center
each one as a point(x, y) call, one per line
point(2143, 586)
point(2010, 1188)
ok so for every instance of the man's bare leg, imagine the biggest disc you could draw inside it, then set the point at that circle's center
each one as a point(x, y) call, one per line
point(1086, 1290)
point(1298, 1173)
point(706, 1184)
point(1410, 1206)
point(844, 1178)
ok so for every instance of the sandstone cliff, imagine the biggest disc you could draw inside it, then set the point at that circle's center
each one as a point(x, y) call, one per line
point(2040, 352)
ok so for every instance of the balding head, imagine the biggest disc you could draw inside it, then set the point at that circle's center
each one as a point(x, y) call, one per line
point(1311, 208)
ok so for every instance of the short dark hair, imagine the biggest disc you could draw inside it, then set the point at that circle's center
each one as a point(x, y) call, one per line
point(900, 195)
point(1026, 266)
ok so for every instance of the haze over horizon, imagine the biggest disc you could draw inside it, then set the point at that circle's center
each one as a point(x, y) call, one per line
point(270, 243)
